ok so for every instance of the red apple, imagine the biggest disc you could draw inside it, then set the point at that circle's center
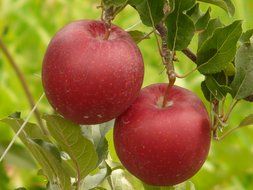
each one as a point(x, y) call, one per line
point(163, 146)
point(89, 79)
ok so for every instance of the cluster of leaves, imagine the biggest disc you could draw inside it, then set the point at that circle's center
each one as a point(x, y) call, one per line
point(224, 53)
point(69, 153)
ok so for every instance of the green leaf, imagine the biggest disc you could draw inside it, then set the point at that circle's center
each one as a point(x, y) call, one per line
point(206, 92)
point(15, 115)
point(51, 166)
point(66, 165)
point(96, 134)
point(15, 124)
point(216, 86)
point(247, 121)
point(194, 13)
point(184, 5)
point(242, 83)
point(203, 21)
point(149, 10)
point(217, 90)
point(219, 50)
point(200, 20)
point(52, 160)
point(230, 70)
point(208, 32)
point(119, 180)
point(70, 138)
point(177, 22)
point(102, 149)
point(245, 38)
point(112, 164)
point(49, 147)
point(32, 130)
point(221, 78)
point(92, 181)
point(227, 5)
point(138, 36)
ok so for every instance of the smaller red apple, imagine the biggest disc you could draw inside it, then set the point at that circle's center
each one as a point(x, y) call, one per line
point(163, 146)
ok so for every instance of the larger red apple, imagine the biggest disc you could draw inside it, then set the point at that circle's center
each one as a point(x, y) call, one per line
point(163, 146)
point(89, 79)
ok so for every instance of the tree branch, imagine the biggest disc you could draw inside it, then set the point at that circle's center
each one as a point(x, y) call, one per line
point(23, 83)
point(190, 54)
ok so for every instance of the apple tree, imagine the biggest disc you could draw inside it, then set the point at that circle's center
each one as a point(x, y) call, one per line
point(92, 74)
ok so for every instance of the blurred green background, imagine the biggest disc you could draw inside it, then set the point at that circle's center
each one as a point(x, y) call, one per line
point(26, 27)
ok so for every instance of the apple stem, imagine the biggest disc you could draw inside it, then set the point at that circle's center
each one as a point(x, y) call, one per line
point(107, 33)
point(168, 57)
point(107, 17)
point(172, 79)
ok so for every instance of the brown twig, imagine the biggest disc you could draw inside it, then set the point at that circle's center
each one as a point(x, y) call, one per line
point(165, 51)
point(190, 54)
point(23, 83)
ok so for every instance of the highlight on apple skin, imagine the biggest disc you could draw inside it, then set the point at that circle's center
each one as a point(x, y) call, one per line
point(89, 79)
point(163, 146)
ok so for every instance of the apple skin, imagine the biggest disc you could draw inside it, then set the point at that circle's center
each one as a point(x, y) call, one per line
point(163, 146)
point(88, 79)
